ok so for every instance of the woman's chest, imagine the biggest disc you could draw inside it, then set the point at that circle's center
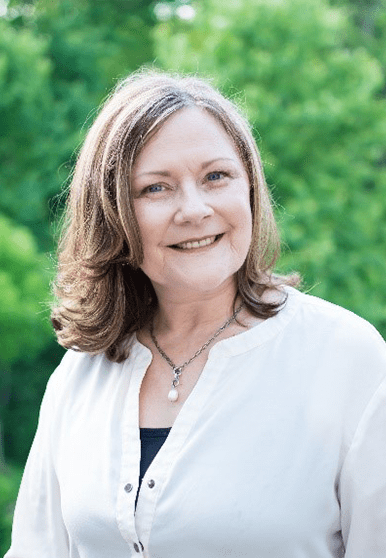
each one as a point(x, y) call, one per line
point(241, 468)
point(156, 410)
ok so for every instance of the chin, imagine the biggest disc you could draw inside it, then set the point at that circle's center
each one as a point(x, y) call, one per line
point(203, 283)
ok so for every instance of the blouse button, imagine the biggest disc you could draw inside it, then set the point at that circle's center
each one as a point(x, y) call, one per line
point(136, 547)
point(128, 487)
point(151, 483)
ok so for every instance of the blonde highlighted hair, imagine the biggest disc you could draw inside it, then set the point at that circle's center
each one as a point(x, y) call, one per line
point(102, 295)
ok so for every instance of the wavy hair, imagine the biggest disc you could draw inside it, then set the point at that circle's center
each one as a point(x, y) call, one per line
point(102, 296)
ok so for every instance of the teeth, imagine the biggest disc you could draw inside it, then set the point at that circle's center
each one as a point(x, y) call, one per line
point(197, 243)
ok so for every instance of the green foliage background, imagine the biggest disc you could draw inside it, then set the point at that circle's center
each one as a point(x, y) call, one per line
point(310, 75)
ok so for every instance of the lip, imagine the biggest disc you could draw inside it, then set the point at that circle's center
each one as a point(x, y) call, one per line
point(217, 238)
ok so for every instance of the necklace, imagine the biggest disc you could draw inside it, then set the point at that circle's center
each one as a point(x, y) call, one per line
point(177, 370)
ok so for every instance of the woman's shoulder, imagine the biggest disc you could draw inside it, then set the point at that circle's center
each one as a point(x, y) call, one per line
point(311, 325)
point(345, 346)
point(324, 316)
point(338, 348)
point(80, 374)
point(76, 364)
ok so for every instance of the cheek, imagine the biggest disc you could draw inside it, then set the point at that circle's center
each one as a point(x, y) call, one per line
point(149, 226)
point(142, 218)
point(242, 226)
point(241, 209)
point(245, 239)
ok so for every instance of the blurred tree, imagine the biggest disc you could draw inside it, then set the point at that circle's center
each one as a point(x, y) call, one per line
point(314, 101)
point(26, 335)
point(369, 30)
point(59, 59)
point(9, 485)
point(27, 153)
point(24, 281)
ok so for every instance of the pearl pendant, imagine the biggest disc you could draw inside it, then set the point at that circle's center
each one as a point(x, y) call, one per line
point(173, 395)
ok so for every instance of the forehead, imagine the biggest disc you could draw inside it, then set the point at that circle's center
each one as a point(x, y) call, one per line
point(191, 132)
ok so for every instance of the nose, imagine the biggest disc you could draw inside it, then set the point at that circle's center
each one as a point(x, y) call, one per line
point(192, 205)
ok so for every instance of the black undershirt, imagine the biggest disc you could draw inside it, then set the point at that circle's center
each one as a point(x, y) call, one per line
point(152, 440)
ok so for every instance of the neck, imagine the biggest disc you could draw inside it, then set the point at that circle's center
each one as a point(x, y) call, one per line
point(183, 314)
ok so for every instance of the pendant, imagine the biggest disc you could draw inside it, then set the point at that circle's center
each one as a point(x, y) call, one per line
point(173, 395)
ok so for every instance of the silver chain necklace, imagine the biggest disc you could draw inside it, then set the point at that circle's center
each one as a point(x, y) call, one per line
point(177, 370)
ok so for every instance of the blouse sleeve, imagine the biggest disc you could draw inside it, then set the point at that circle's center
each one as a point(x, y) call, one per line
point(363, 484)
point(38, 528)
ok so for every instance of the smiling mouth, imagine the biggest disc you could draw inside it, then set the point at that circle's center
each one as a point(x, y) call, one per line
point(190, 245)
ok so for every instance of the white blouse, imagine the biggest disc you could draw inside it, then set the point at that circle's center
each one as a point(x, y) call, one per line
point(279, 451)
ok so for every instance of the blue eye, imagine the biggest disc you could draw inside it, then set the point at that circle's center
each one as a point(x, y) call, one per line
point(154, 188)
point(215, 176)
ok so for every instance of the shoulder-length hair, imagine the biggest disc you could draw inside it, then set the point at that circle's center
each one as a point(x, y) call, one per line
point(102, 295)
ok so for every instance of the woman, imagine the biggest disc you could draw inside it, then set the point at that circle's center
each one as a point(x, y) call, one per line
point(207, 408)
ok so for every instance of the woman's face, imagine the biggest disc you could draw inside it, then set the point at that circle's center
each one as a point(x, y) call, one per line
point(191, 199)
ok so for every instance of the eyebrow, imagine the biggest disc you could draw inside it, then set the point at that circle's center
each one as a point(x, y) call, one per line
point(167, 173)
